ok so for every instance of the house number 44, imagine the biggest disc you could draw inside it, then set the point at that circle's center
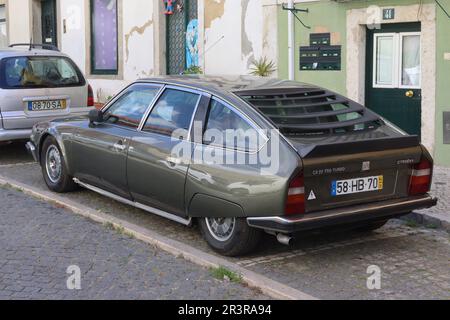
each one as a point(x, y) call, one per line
point(388, 14)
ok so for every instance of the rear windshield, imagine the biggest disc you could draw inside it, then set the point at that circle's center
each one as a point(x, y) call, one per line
point(39, 72)
point(312, 112)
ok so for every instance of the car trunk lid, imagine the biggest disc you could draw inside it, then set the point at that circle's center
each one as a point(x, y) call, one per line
point(342, 174)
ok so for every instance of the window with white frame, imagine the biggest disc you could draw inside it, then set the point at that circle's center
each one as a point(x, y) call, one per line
point(397, 60)
point(104, 37)
point(3, 32)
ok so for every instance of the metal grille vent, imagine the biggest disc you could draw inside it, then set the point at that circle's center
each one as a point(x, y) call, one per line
point(312, 112)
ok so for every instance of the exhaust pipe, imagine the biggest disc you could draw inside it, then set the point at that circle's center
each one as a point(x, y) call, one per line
point(284, 239)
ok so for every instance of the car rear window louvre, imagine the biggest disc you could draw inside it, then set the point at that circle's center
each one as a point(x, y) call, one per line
point(311, 111)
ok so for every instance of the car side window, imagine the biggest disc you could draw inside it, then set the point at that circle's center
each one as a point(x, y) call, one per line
point(226, 128)
point(130, 108)
point(173, 111)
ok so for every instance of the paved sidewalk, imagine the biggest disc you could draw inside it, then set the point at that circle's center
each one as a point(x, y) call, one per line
point(438, 216)
point(39, 242)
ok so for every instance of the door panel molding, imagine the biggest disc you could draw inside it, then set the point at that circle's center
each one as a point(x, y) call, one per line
point(167, 215)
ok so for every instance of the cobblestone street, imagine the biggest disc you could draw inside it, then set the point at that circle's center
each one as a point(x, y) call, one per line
point(39, 242)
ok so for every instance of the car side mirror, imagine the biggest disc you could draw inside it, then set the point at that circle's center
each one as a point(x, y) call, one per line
point(96, 116)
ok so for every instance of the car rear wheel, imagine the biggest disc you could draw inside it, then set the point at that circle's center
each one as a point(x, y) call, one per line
point(54, 169)
point(229, 236)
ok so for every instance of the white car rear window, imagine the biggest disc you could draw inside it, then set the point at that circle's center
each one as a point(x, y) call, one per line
point(40, 72)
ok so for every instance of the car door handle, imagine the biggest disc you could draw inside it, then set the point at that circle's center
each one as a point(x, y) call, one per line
point(173, 161)
point(119, 146)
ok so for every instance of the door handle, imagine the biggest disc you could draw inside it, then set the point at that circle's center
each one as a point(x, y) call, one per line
point(409, 94)
point(119, 146)
point(173, 161)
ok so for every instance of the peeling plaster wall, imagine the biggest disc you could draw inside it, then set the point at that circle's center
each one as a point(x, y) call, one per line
point(137, 50)
point(252, 42)
point(270, 31)
point(138, 39)
point(233, 35)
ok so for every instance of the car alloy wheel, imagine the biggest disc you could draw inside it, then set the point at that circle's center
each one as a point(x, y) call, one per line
point(53, 164)
point(221, 228)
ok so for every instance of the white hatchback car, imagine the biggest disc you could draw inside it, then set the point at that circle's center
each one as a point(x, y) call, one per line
point(38, 85)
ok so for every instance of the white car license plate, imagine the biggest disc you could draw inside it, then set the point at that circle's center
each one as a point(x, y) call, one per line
point(358, 185)
point(47, 105)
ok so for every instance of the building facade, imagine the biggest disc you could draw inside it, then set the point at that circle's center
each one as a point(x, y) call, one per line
point(118, 41)
point(391, 55)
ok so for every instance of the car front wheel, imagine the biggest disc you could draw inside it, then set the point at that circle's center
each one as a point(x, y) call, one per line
point(54, 169)
point(229, 236)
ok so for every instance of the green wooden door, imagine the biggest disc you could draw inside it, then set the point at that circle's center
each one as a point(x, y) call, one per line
point(48, 18)
point(393, 84)
point(176, 24)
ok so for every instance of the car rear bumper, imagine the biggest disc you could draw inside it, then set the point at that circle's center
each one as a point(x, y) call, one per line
point(15, 134)
point(25, 123)
point(383, 210)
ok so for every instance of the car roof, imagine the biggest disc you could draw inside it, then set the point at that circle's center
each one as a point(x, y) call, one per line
point(26, 52)
point(240, 85)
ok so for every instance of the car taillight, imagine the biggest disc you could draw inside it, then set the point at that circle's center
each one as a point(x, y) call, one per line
point(295, 203)
point(90, 99)
point(421, 178)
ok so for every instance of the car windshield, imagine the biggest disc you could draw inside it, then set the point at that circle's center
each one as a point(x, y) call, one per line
point(39, 72)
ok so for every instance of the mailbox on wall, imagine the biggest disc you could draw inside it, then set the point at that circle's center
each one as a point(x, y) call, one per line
point(320, 39)
point(320, 55)
point(320, 58)
point(446, 127)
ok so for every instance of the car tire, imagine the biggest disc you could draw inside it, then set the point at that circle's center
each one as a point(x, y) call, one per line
point(54, 167)
point(372, 226)
point(238, 240)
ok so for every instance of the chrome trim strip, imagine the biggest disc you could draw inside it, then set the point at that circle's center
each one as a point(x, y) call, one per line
point(14, 134)
point(212, 94)
point(150, 108)
point(125, 90)
point(189, 137)
point(30, 146)
point(170, 216)
point(286, 221)
point(174, 87)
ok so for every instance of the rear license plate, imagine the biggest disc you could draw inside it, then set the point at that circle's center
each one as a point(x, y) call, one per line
point(47, 105)
point(358, 185)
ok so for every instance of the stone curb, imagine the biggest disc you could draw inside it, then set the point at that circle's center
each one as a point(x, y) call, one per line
point(266, 285)
point(434, 220)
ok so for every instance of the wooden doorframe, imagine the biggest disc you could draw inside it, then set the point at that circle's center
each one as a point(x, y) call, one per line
point(357, 21)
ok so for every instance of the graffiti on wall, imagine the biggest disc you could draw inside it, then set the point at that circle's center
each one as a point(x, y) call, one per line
point(192, 43)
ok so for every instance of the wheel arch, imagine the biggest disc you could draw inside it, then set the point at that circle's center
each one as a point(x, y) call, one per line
point(60, 143)
point(203, 205)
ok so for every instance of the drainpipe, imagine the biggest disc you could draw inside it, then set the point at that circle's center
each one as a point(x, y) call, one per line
point(291, 41)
